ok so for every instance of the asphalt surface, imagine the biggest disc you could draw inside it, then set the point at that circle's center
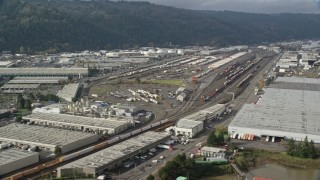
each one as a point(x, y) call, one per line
point(143, 170)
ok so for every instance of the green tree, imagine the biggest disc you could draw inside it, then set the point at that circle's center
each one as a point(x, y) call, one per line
point(212, 139)
point(20, 101)
point(291, 148)
point(151, 177)
point(31, 96)
point(299, 148)
point(137, 80)
point(305, 149)
point(220, 138)
point(57, 150)
point(169, 171)
point(28, 104)
point(312, 151)
point(18, 118)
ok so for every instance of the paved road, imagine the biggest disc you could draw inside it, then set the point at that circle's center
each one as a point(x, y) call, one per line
point(143, 170)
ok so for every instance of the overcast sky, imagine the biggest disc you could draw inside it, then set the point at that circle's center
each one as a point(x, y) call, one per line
point(255, 6)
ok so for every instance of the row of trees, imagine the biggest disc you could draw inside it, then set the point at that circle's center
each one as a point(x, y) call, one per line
point(303, 149)
point(187, 167)
point(23, 103)
point(179, 166)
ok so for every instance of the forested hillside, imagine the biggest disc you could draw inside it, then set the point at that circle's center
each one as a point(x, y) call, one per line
point(57, 25)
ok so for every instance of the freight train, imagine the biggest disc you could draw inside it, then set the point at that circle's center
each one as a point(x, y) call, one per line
point(231, 77)
point(74, 155)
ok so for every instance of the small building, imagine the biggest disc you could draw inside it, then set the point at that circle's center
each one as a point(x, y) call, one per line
point(182, 97)
point(207, 151)
point(13, 159)
point(181, 178)
point(188, 128)
point(180, 90)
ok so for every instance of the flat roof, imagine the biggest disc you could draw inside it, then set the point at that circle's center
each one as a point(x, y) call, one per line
point(199, 115)
point(100, 123)
point(31, 134)
point(110, 154)
point(298, 80)
point(212, 149)
point(20, 86)
point(282, 110)
point(5, 63)
point(37, 80)
point(188, 124)
point(13, 154)
point(69, 91)
point(42, 71)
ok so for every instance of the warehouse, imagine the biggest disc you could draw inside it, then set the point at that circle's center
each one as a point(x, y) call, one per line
point(81, 123)
point(207, 114)
point(50, 72)
point(14, 87)
point(69, 92)
point(38, 80)
point(13, 159)
point(283, 112)
point(188, 128)
point(45, 138)
point(113, 156)
point(192, 124)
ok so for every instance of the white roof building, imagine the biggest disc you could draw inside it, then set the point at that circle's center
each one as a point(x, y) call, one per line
point(69, 92)
point(45, 138)
point(81, 123)
point(288, 109)
point(113, 156)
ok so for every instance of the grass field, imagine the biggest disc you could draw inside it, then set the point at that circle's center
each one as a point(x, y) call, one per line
point(102, 89)
point(284, 159)
point(173, 82)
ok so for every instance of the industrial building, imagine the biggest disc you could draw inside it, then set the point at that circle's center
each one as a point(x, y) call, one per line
point(15, 87)
point(188, 128)
point(43, 72)
point(69, 92)
point(113, 156)
point(288, 109)
point(13, 159)
point(206, 114)
point(81, 123)
point(45, 138)
point(192, 124)
point(56, 108)
point(182, 97)
point(38, 80)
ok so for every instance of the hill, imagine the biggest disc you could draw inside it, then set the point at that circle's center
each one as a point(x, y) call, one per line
point(57, 25)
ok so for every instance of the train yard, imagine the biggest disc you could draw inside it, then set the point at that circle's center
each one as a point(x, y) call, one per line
point(213, 86)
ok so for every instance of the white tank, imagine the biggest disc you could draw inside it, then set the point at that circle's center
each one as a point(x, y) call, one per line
point(180, 51)
point(172, 51)
point(87, 103)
